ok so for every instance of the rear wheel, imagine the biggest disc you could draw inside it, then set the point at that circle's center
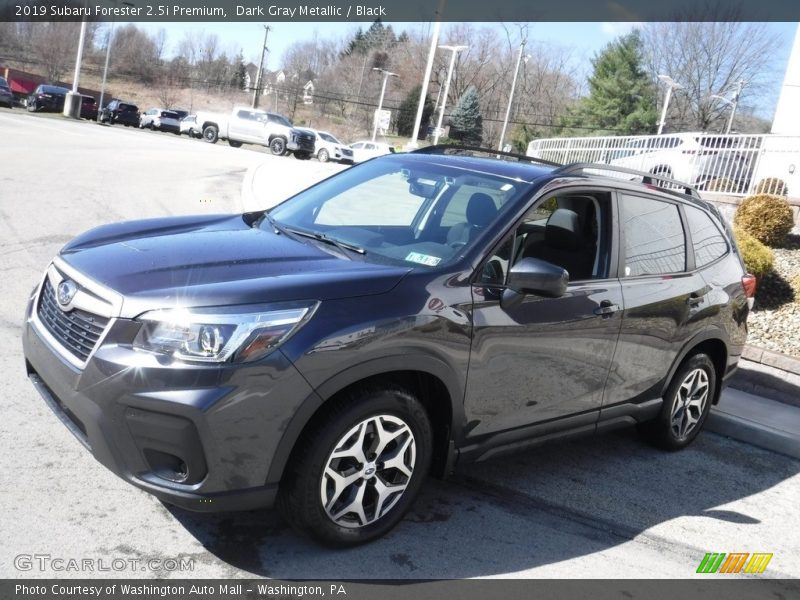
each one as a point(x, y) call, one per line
point(211, 134)
point(686, 405)
point(359, 467)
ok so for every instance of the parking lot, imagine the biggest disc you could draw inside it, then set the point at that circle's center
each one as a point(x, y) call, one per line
point(600, 508)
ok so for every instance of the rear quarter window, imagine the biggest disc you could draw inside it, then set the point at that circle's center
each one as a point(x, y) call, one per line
point(708, 242)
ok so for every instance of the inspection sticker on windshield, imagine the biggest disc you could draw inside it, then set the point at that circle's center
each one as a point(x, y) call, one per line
point(423, 259)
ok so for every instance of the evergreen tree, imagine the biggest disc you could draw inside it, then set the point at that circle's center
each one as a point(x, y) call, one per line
point(239, 73)
point(466, 121)
point(408, 113)
point(621, 95)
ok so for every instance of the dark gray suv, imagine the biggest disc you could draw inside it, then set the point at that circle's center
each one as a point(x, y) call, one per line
point(405, 316)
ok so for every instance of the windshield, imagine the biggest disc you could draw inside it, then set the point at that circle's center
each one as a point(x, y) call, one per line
point(400, 210)
point(279, 119)
point(328, 137)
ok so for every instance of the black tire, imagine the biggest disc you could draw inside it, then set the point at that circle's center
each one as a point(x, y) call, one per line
point(302, 155)
point(211, 134)
point(665, 431)
point(31, 107)
point(277, 146)
point(235, 144)
point(323, 156)
point(300, 497)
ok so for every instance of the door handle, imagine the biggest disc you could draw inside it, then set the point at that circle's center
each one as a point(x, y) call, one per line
point(606, 308)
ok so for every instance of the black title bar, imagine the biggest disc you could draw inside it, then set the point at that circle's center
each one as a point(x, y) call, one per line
point(263, 11)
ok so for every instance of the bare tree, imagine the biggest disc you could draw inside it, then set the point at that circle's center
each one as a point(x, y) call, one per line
point(708, 58)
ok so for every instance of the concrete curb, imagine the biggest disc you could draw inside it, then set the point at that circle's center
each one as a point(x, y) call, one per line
point(758, 421)
point(784, 362)
point(769, 374)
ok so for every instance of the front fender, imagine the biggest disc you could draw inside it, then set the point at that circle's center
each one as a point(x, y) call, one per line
point(422, 362)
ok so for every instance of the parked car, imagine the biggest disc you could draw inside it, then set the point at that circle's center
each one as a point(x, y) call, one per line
point(696, 158)
point(118, 111)
point(88, 108)
point(327, 147)
point(163, 120)
point(182, 114)
point(6, 97)
point(365, 150)
point(189, 126)
point(404, 317)
point(248, 126)
point(47, 98)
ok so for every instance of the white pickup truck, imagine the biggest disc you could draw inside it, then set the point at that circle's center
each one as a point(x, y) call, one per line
point(251, 126)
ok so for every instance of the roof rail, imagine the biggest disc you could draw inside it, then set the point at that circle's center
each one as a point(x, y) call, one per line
point(647, 178)
point(443, 148)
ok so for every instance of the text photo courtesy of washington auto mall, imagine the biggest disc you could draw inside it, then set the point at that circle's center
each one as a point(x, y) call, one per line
point(399, 300)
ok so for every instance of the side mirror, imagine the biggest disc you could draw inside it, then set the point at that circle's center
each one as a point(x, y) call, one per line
point(535, 276)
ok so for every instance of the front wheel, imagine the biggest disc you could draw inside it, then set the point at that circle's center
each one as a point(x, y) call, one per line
point(302, 155)
point(277, 146)
point(686, 405)
point(323, 156)
point(234, 144)
point(359, 467)
point(211, 134)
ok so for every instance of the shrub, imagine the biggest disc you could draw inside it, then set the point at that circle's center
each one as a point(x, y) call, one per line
point(758, 259)
point(766, 217)
point(723, 184)
point(772, 185)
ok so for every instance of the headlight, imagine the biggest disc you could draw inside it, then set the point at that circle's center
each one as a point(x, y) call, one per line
point(245, 333)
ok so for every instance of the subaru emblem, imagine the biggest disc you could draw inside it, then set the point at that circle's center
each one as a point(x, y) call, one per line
point(66, 292)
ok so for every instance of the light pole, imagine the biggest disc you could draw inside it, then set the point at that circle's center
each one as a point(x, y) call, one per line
point(511, 95)
point(72, 101)
point(733, 103)
point(105, 71)
point(671, 84)
point(453, 50)
point(386, 75)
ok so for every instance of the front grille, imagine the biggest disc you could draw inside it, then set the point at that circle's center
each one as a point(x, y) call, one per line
point(305, 138)
point(76, 330)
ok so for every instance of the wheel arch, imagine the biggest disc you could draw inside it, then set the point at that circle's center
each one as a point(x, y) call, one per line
point(710, 342)
point(428, 378)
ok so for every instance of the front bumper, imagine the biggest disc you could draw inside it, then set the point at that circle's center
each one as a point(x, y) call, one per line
point(199, 437)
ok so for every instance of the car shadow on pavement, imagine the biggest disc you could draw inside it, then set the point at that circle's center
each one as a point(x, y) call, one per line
point(541, 507)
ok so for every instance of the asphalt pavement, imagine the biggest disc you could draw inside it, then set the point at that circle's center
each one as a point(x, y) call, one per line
point(609, 506)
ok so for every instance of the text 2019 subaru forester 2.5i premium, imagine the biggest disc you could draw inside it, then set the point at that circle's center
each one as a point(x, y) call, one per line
point(402, 317)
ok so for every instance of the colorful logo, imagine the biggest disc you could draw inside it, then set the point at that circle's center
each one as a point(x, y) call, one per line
point(736, 562)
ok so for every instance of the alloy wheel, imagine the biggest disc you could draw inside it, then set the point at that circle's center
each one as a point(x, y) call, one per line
point(689, 404)
point(368, 471)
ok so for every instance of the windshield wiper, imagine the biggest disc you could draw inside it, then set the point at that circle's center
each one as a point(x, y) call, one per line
point(321, 237)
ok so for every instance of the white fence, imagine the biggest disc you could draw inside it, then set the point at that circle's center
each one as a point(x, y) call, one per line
point(723, 164)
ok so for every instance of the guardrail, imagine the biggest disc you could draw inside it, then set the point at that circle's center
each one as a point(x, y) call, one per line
point(735, 165)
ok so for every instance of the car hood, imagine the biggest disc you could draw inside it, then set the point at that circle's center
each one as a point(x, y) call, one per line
point(216, 261)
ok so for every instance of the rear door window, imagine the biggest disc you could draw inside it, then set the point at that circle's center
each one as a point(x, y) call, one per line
point(654, 242)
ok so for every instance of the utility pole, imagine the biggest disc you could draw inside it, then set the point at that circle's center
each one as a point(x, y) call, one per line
point(511, 95)
point(257, 91)
point(423, 93)
point(734, 102)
